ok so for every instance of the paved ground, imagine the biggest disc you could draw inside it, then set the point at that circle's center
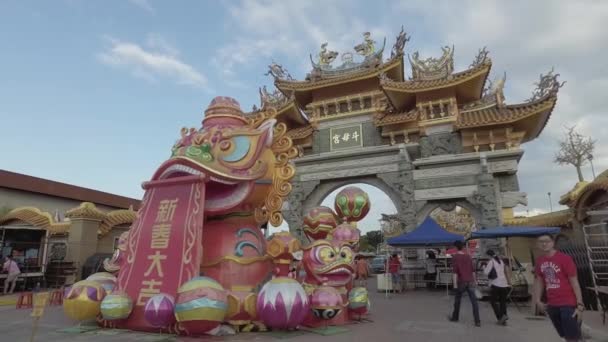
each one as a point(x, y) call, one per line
point(412, 316)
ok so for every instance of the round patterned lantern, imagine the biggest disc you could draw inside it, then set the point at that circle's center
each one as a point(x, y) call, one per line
point(318, 222)
point(116, 306)
point(358, 300)
point(107, 280)
point(159, 310)
point(83, 301)
point(352, 204)
point(346, 233)
point(282, 303)
point(201, 305)
point(326, 302)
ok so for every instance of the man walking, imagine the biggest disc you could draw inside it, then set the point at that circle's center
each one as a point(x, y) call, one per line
point(556, 273)
point(13, 270)
point(464, 280)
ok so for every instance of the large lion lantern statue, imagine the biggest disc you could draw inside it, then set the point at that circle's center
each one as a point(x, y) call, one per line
point(196, 257)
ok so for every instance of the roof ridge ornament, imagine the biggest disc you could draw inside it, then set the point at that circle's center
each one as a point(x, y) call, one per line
point(494, 91)
point(400, 42)
point(546, 86)
point(433, 68)
point(481, 58)
point(278, 72)
point(372, 58)
point(368, 47)
point(274, 100)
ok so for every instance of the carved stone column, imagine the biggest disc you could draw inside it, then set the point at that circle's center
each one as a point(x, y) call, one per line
point(402, 182)
point(294, 214)
point(486, 198)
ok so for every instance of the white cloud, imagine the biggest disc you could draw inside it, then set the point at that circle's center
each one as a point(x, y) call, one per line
point(143, 4)
point(288, 31)
point(160, 59)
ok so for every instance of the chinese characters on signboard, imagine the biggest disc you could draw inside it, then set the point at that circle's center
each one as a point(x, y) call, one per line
point(345, 137)
point(153, 277)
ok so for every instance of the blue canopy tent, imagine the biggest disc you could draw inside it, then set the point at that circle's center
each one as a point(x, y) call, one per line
point(429, 233)
point(506, 232)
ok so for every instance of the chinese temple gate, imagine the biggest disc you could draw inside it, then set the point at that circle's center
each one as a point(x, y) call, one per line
point(439, 138)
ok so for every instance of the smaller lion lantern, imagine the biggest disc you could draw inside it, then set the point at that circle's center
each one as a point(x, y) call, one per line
point(318, 222)
point(352, 204)
point(282, 247)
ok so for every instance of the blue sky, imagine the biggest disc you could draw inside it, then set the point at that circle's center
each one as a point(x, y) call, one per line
point(94, 93)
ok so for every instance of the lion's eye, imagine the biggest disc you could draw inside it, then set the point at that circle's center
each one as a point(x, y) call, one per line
point(239, 146)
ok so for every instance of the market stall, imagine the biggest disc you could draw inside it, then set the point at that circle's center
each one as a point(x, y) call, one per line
point(27, 246)
point(429, 234)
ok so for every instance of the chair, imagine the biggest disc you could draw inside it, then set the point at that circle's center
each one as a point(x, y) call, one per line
point(25, 300)
point(56, 297)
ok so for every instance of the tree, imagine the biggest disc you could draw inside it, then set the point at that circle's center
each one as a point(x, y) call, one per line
point(575, 149)
point(374, 238)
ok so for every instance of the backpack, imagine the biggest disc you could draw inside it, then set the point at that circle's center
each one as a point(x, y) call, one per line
point(493, 275)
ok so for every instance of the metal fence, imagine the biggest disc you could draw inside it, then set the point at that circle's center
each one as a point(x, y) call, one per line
point(590, 257)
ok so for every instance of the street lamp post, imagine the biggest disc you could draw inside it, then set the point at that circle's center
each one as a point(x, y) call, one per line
point(590, 158)
point(550, 202)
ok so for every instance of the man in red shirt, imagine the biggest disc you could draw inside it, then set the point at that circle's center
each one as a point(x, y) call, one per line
point(394, 266)
point(556, 273)
point(464, 280)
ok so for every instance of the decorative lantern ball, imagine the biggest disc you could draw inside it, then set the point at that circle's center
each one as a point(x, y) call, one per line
point(107, 280)
point(282, 244)
point(282, 303)
point(83, 300)
point(318, 222)
point(201, 305)
point(346, 233)
point(116, 306)
point(159, 310)
point(352, 204)
point(358, 300)
point(326, 302)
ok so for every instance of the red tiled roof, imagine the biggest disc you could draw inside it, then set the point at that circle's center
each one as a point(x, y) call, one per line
point(27, 183)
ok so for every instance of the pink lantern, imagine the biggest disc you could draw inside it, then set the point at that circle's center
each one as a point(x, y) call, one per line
point(282, 303)
point(159, 310)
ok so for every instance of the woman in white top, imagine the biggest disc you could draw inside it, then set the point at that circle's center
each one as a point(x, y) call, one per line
point(498, 276)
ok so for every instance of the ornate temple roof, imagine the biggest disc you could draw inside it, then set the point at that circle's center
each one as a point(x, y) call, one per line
point(324, 74)
point(385, 119)
point(538, 111)
point(390, 66)
point(530, 116)
point(300, 133)
point(280, 107)
point(435, 74)
point(555, 219)
point(416, 86)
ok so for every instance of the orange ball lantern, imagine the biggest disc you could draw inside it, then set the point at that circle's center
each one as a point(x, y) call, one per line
point(319, 222)
point(352, 204)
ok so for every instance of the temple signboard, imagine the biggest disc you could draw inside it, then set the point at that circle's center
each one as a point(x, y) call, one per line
point(345, 137)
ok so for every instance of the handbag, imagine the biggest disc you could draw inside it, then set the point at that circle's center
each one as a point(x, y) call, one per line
point(493, 275)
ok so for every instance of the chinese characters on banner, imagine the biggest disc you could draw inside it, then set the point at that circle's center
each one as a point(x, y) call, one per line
point(161, 231)
point(345, 137)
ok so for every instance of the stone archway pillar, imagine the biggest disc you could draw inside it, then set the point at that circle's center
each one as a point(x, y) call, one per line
point(487, 199)
point(402, 182)
point(294, 213)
